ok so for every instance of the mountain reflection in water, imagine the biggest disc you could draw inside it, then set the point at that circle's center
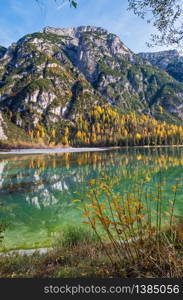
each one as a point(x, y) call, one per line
point(37, 190)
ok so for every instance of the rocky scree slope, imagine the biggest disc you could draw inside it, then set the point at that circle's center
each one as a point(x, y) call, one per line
point(48, 78)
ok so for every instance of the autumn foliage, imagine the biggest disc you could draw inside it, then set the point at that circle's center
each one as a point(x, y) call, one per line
point(103, 126)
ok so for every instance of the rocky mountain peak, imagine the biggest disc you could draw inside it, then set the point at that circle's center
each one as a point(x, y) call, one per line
point(159, 54)
point(161, 59)
point(75, 31)
point(86, 35)
point(170, 61)
point(48, 78)
point(86, 47)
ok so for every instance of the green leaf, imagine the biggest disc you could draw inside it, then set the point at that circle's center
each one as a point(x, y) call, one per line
point(74, 4)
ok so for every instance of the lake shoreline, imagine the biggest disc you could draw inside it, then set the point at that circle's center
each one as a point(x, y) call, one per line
point(56, 150)
point(75, 150)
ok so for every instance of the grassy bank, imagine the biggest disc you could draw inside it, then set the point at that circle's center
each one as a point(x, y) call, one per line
point(79, 254)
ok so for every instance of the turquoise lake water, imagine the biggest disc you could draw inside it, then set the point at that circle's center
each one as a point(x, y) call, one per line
point(37, 191)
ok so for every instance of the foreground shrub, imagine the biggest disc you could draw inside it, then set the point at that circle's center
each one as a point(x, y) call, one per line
point(140, 229)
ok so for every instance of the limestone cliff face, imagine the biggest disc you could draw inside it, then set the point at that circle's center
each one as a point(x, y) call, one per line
point(96, 54)
point(86, 46)
point(39, 83)
point(50, 77)
point(2, 129)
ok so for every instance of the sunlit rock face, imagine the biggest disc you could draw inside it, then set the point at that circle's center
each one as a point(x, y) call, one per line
point(47, 78)
point(87, 45)
point(2, 128)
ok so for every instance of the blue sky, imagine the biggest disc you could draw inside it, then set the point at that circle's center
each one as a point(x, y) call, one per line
point(19, 17)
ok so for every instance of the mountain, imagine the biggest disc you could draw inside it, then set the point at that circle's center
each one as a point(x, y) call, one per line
point(2, 51)
point(170, 61)
point(49, 79)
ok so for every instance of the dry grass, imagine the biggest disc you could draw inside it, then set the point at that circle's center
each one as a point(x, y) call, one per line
point(79, 254)
point(89, 260)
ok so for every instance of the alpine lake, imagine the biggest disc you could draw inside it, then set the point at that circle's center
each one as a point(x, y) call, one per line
point(37, 190)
